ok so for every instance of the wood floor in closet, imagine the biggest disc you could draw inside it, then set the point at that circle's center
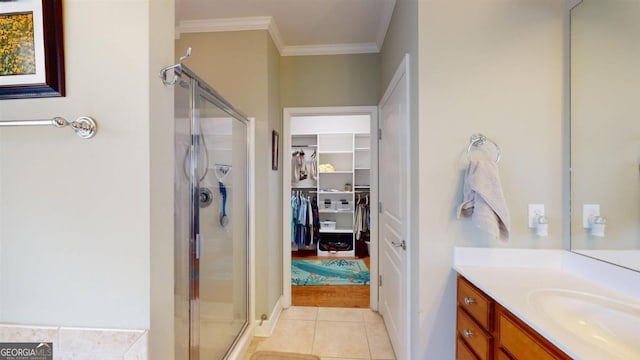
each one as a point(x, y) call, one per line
point(351, 296)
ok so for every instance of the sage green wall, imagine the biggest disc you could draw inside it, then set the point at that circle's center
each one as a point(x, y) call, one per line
point(330, 80)
point(242, 67)
point(494, 67)
point(401, 39)
point(274, 187)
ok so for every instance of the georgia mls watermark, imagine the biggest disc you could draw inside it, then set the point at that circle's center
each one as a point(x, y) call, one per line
point(26, 351)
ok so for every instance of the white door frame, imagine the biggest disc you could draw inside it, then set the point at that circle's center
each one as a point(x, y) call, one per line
point(288, 113)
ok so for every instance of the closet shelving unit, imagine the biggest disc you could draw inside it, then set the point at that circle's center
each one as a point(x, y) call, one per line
point(350, 157)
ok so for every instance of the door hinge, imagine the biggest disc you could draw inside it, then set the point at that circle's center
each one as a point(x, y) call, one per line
point(379, 280)
point(380, 207)
point(402, 244)
point(379, 134)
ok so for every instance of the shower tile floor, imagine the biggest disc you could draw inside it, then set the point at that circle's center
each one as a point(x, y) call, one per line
point(331, 333)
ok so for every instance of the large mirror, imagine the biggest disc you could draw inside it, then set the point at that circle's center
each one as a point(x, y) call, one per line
point(605, 130)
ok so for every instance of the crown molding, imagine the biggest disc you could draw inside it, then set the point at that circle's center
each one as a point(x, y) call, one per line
point(331, 49)
point(233, 24)
point(268, 23)
point(229, 24)
point(276, 36)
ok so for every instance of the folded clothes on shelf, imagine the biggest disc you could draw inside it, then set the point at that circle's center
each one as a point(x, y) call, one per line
point(326, 168)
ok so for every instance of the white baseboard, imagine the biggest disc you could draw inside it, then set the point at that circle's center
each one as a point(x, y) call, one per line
point(266, 328)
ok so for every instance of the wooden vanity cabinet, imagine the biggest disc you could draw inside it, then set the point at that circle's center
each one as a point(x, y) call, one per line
point(485, 330)
point(520, 341)
point(474, 321)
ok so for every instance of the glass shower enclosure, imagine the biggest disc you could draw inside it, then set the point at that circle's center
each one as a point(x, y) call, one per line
point(211, 221)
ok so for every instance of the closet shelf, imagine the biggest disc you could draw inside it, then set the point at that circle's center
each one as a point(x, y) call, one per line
point(362, 168)
point(337, 231)
point(336, 172)
point(362, 149)
point(322, 192)
point(336, 211)
point(335, 152)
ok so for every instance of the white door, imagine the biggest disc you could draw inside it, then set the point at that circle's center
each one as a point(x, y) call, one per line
point(394, 218)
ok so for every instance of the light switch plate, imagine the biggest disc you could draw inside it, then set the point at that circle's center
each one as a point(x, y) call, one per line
point(589, 210)
point(535, 210)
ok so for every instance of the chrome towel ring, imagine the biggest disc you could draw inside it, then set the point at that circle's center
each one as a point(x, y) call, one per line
point(477, 140)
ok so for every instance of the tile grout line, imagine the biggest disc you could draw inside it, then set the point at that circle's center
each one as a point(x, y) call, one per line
point(366, 333)
point(315, 333)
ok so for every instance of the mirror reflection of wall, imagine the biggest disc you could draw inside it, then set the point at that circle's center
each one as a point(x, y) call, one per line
point(605, 127)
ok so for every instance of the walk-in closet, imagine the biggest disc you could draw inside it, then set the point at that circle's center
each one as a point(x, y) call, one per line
point(331, 180)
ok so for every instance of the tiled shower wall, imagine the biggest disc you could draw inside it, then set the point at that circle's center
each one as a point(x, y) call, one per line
point(82, 343)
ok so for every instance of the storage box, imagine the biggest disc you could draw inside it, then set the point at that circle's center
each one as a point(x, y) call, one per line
point(343, 205)
point(327, 225)
point(327, 204)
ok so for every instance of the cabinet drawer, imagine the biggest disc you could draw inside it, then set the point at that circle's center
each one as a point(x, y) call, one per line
point(463, 352)
point(522, 343)
point(475, 303)
point(475, 336)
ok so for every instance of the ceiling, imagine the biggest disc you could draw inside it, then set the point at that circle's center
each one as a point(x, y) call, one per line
point(298, 27)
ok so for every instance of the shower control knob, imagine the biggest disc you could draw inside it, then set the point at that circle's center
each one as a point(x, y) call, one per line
point(206, 197)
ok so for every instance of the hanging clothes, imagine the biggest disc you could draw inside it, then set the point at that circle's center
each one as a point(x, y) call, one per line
point(362, 216)
point(298, 166)
point(302, 221)
point(305, 220)
point(313, 166)
point(316, 220)
point(357, 219)
point(294, 211)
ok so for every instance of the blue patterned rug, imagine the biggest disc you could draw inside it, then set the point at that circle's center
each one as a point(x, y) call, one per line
point(329, 272)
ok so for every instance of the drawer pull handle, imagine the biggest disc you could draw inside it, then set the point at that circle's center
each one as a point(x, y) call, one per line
point(467, 333)
point(469, 301)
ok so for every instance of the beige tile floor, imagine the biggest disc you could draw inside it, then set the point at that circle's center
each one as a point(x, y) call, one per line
point(331, 333)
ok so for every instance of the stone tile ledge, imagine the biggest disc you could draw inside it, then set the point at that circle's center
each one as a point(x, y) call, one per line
point(83, 343)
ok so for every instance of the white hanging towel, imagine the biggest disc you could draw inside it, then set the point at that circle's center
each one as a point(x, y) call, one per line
point(484, 200)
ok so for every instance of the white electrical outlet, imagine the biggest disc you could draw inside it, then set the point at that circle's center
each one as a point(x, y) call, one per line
point(587, 211)
point(535, 210)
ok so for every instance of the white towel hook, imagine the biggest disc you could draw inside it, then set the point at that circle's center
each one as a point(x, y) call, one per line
point(479, 140)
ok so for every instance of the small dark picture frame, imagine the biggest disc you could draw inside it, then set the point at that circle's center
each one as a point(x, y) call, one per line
point(33, 61)
point(275, 141)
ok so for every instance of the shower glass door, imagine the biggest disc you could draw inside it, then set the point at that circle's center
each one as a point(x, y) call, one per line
point(211, 250)
point(223, 229)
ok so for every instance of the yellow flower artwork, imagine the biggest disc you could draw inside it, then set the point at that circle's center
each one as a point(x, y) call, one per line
point(17, 49)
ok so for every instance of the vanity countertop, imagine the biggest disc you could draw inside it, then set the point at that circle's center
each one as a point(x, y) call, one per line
point(515, 278)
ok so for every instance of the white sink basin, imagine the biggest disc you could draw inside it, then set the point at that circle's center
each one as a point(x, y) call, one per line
point(611, 325)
